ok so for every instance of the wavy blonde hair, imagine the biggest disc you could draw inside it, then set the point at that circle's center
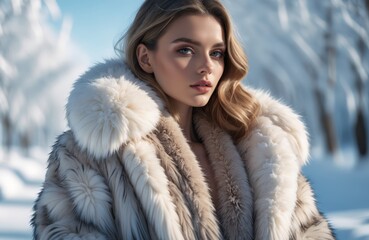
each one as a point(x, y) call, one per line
point(231, 106)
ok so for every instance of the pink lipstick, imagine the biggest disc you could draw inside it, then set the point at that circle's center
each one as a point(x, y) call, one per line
point(202, 86)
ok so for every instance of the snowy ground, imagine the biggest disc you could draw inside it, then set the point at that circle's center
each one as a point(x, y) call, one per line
point(343, 194)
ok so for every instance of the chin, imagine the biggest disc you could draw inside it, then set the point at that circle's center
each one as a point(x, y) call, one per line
point(200, 104)
point(199, 101)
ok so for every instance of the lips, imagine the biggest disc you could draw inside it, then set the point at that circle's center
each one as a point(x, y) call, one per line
point(202, 86)
point(202, 83)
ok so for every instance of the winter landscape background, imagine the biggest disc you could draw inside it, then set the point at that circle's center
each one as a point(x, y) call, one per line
point(311, 54)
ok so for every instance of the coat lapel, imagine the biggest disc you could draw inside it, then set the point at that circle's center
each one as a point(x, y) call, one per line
point(191, 180)
point(273, 153)
point(235, 203)
point(151, 187)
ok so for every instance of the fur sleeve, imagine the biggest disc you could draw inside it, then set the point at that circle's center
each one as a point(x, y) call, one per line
point(307, 221)
point(56, 215)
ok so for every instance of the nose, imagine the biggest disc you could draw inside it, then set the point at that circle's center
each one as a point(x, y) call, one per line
point(205, 65)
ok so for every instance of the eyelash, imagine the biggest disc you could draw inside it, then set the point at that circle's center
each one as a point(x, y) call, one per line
point(221, 53)
point(185, 51)
point(188, 50)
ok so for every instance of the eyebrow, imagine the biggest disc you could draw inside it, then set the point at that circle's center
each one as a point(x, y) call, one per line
point(191, 41)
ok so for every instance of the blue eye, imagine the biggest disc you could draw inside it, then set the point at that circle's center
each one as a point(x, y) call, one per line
point(217, 54)
point(185, 51)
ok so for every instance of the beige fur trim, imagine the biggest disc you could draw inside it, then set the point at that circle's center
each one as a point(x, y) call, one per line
point(151, 186)
point(307, 222)
point(234, 195)
point(193, 179)
point(124, 201)
point(177, 190)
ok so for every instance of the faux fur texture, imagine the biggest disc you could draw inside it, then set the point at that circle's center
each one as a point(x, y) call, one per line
point(126, 171)
point(236, 209)
point(108, 107)
point(279, 139)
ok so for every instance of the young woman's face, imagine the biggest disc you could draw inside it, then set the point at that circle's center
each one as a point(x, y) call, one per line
point(189, 59)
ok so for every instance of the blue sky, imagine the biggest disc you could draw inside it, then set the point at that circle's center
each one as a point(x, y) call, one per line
point(98, 24)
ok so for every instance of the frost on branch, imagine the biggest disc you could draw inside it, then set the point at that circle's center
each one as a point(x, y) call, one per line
point(37, 67)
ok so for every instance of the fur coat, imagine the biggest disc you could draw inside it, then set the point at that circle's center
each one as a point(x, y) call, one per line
point(124, 170)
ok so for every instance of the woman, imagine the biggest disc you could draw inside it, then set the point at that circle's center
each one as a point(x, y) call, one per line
point(167, 144)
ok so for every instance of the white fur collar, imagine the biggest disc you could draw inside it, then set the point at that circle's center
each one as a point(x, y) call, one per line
point(283, 117)
point(109, 106)
point(275, 149)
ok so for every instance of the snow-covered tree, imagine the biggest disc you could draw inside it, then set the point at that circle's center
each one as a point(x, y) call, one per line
point(37, 67)
point(313, 55)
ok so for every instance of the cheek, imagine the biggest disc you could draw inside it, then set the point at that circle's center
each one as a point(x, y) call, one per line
point(219, 71)
point(168, 69)
point(166, 75)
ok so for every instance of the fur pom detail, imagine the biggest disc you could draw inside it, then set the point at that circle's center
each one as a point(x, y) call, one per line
point(106, 110)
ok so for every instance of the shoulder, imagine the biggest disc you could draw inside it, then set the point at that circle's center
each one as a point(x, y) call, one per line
point(65, 153)
point(109, 106)
point(75, 192)
point(279, 126)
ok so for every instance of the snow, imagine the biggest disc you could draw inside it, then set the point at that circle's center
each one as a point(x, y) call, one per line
point(14, 221)
point(20, 182)
point(338, 188)
point(342, 192)
point(355, 221)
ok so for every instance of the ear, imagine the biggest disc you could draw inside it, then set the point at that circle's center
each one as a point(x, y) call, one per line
point(143, 57)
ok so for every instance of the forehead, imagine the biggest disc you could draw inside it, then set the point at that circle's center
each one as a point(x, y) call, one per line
point(204, 28)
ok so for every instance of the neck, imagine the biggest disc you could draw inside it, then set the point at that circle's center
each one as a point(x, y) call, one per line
point(185, 121)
